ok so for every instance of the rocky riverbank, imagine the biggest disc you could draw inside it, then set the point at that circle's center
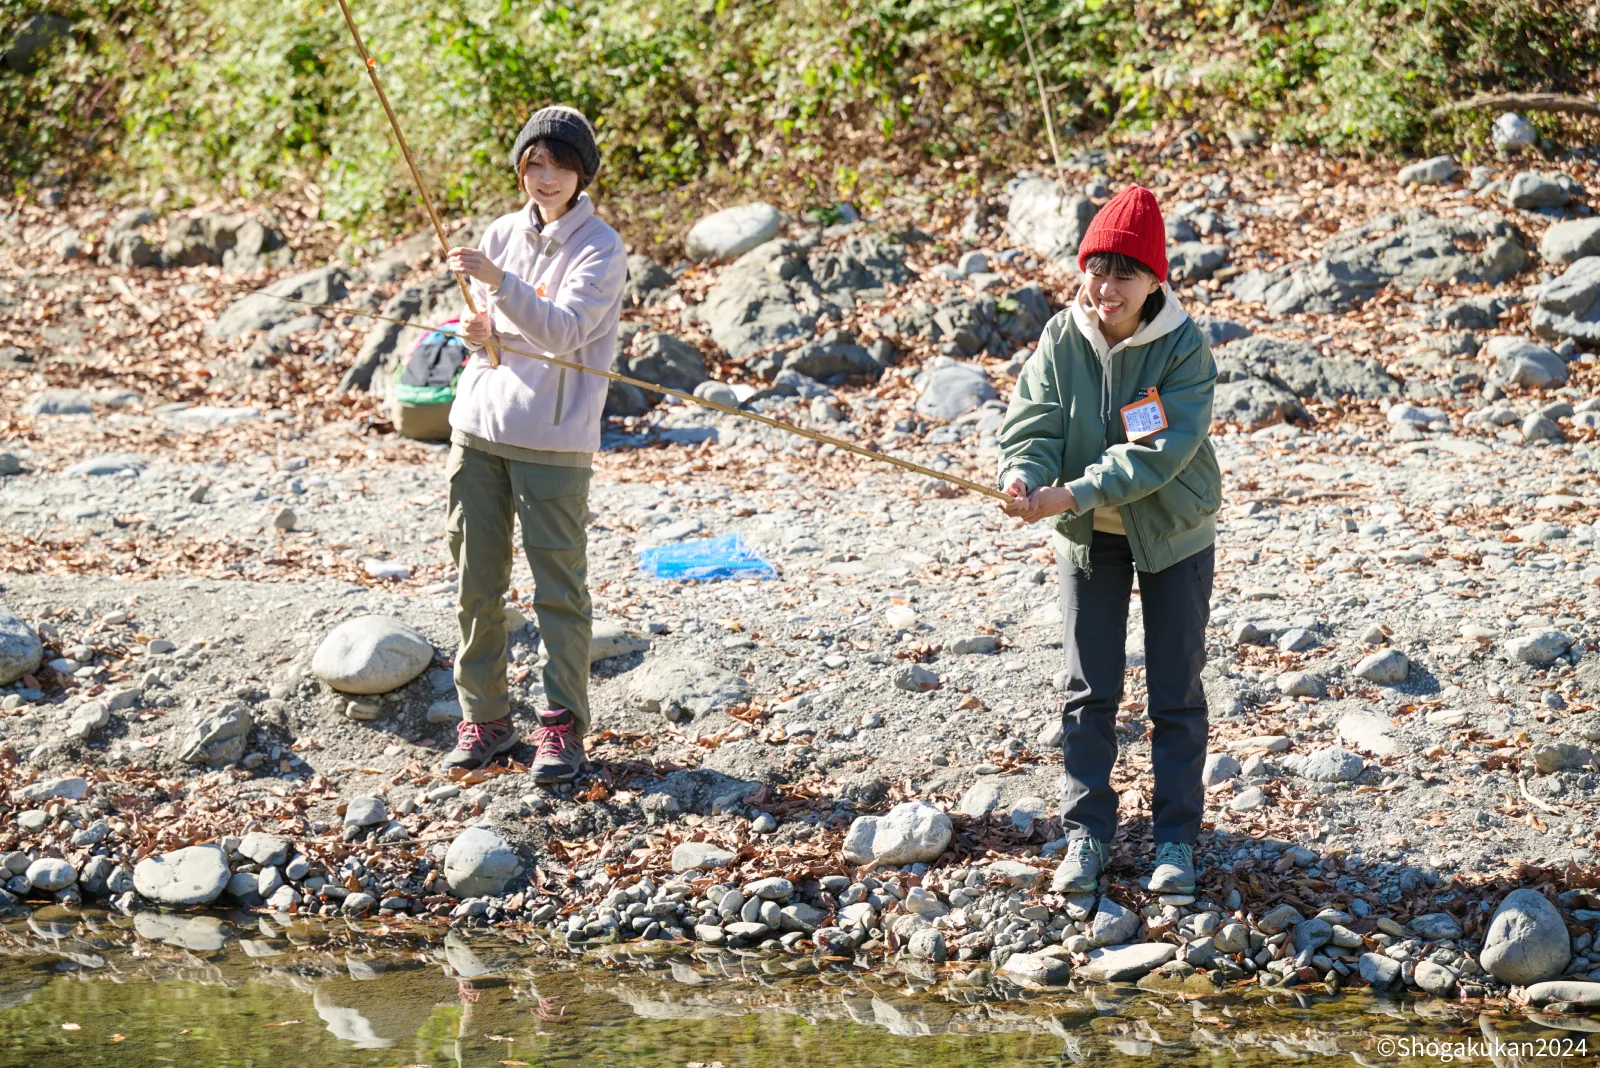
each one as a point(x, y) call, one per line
point(228, 614)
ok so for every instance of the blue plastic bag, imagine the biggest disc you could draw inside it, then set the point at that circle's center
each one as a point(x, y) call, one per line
point(722, 557)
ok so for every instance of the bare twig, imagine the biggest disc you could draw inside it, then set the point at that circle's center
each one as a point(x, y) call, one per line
point(1522, 786)
point(1044, 97)
point(1572, 105)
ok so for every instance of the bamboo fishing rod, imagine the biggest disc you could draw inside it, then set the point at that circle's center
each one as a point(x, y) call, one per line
point(371, 66)
point(814, 435)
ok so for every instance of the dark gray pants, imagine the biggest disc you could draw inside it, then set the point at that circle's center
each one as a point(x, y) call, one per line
point(1094, 616)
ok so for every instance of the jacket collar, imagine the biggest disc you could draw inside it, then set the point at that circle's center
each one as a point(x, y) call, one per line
point(549, 239)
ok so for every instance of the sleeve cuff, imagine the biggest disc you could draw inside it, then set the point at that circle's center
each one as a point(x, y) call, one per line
point(1086, 494)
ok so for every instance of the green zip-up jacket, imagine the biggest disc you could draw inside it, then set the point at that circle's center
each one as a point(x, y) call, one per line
point(1064, 428)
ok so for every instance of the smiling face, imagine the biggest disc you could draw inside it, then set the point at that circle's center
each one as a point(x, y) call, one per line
point(1119, 296)
point(553, 187)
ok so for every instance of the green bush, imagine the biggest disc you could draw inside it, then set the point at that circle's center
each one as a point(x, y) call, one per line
point(243, 97)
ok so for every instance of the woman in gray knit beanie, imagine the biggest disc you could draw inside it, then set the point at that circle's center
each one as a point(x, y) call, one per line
point(549, 277)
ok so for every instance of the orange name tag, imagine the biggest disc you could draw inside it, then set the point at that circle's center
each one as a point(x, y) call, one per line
point(1144, 416)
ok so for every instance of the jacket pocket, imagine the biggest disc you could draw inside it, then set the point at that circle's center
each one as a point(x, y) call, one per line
point(561, 396)
point(1203, 479)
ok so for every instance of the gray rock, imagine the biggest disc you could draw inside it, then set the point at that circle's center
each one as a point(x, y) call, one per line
point(1569, 307)
point(242, 887)
point(1253, 402)
point(1570, 241)
point(1385, 667)
point(1112, 924)
point(262, 311)
point(1115, 963)
point(698, 856)
point(1435, 978)
point(1029, 811)
point(9, 464)
point(1036, 969)
point(1041, 217)
point(1330, 764)
point(834, 353)
point(385, 342)
point(1429, 171)
point(1526, 363)
point(50, 874)
point(1192, 261)
point(666, 361)
point(609, 638)
point(218, 737)
point(730, 233)
point(1570, 991)
point(1299, 684)
point(928, 944)
point(914, 678)
point(1400, 249)
point(128, 250)
point(1369, 732)
point(681, 689)
point(1304, 372)
point(756, 301)
point(647, 282)
point(981, 798)
point(264, 848)
point(21, 652)
point(912, 832)
point(920, 902)
point(1232, 938)
point(859, 262)
point(194, 875)
point(718, 393)
point(1219, 767)
point(1511, 130)
point(1527, 940)
point(71, 787)
point(1218, 332)
point(366, 812)
point(948, 388)
point(1533, 190)
point(59, 402)
point(1562, 756)
point(1539, 646)
point(479, 863)
point(1280, 918)
point(234, 242)
point(801, 917)
point(1435, 925)
point(1378, 970)
point(112, 464)
point(32, 42)
point(371, 654)
point(974, 645)
point(88, 720)
point(1312, 934)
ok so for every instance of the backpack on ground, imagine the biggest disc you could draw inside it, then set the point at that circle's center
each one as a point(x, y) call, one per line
point(425, 384)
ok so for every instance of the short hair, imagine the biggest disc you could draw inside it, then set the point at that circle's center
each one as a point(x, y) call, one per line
point(562, 155)
point(1119, 265)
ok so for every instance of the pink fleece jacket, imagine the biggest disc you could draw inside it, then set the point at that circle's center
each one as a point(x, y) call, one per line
point(562, 295)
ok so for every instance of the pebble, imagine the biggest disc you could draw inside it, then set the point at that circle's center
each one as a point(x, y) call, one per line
point(194, 875)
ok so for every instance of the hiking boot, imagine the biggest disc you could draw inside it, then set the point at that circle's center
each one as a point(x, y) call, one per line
point(479, 743)
point(1079, 871)
point(1174, 873)
point(559, 755)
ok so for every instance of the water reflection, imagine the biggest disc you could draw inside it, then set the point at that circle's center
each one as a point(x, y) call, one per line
point(164, 988)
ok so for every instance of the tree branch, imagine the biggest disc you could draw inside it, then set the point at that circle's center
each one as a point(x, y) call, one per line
point(1572, 105)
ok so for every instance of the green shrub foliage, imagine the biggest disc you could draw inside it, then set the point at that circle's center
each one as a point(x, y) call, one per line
point(242, 96)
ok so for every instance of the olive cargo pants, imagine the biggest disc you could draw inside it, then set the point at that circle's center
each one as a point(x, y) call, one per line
point(1094, 616)
point(486, 494)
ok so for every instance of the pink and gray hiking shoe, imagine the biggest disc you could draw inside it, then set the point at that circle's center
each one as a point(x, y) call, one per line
point(559, 755)
point(479, 743)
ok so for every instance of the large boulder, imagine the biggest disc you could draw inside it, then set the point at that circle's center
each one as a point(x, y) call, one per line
point(666, 361)
point(218, 737)
point(730, 233)
point(1532, 190)
point(912, 832)
point(947, 387)
point(194, 875)
point(757, 301)
point(1526, 363)
point(1191, 261)
point(1128, 961)
point(1303, 371)
point(1047, 220)
point(480, 863)
point(371, 654)
point(648, 282)
point(232, 242)
point(263, 311)
point(1570, 241)
point(1570, 305)
point(1253, 402)
point(859, 262)
point(20, 648)
point(834, 353)
point(1392, 249)
point(386, 342)
point(1527, 940)
point(681, 689)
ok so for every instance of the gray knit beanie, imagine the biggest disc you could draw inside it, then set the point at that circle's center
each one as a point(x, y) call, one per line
point(566, 125)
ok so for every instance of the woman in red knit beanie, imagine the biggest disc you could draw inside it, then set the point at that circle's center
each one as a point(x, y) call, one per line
point(1107, 436)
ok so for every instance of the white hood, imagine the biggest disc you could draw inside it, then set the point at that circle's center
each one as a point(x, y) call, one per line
point(1169, 319)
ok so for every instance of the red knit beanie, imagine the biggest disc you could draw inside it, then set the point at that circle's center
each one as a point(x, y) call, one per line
point(1130, 223)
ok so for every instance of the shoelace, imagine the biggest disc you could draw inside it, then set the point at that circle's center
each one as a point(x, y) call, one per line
point(551, 740)
point(1175, 853)
point(468, 735)
point(1084, 845)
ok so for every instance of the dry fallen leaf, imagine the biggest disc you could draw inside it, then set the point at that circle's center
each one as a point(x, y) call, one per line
point(71, 1027)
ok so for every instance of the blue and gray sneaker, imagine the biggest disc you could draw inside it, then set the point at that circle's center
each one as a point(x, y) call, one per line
point(1079, 871)
point(1174, 871)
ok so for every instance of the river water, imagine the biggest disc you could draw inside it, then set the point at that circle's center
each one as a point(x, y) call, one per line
point(204, 991)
